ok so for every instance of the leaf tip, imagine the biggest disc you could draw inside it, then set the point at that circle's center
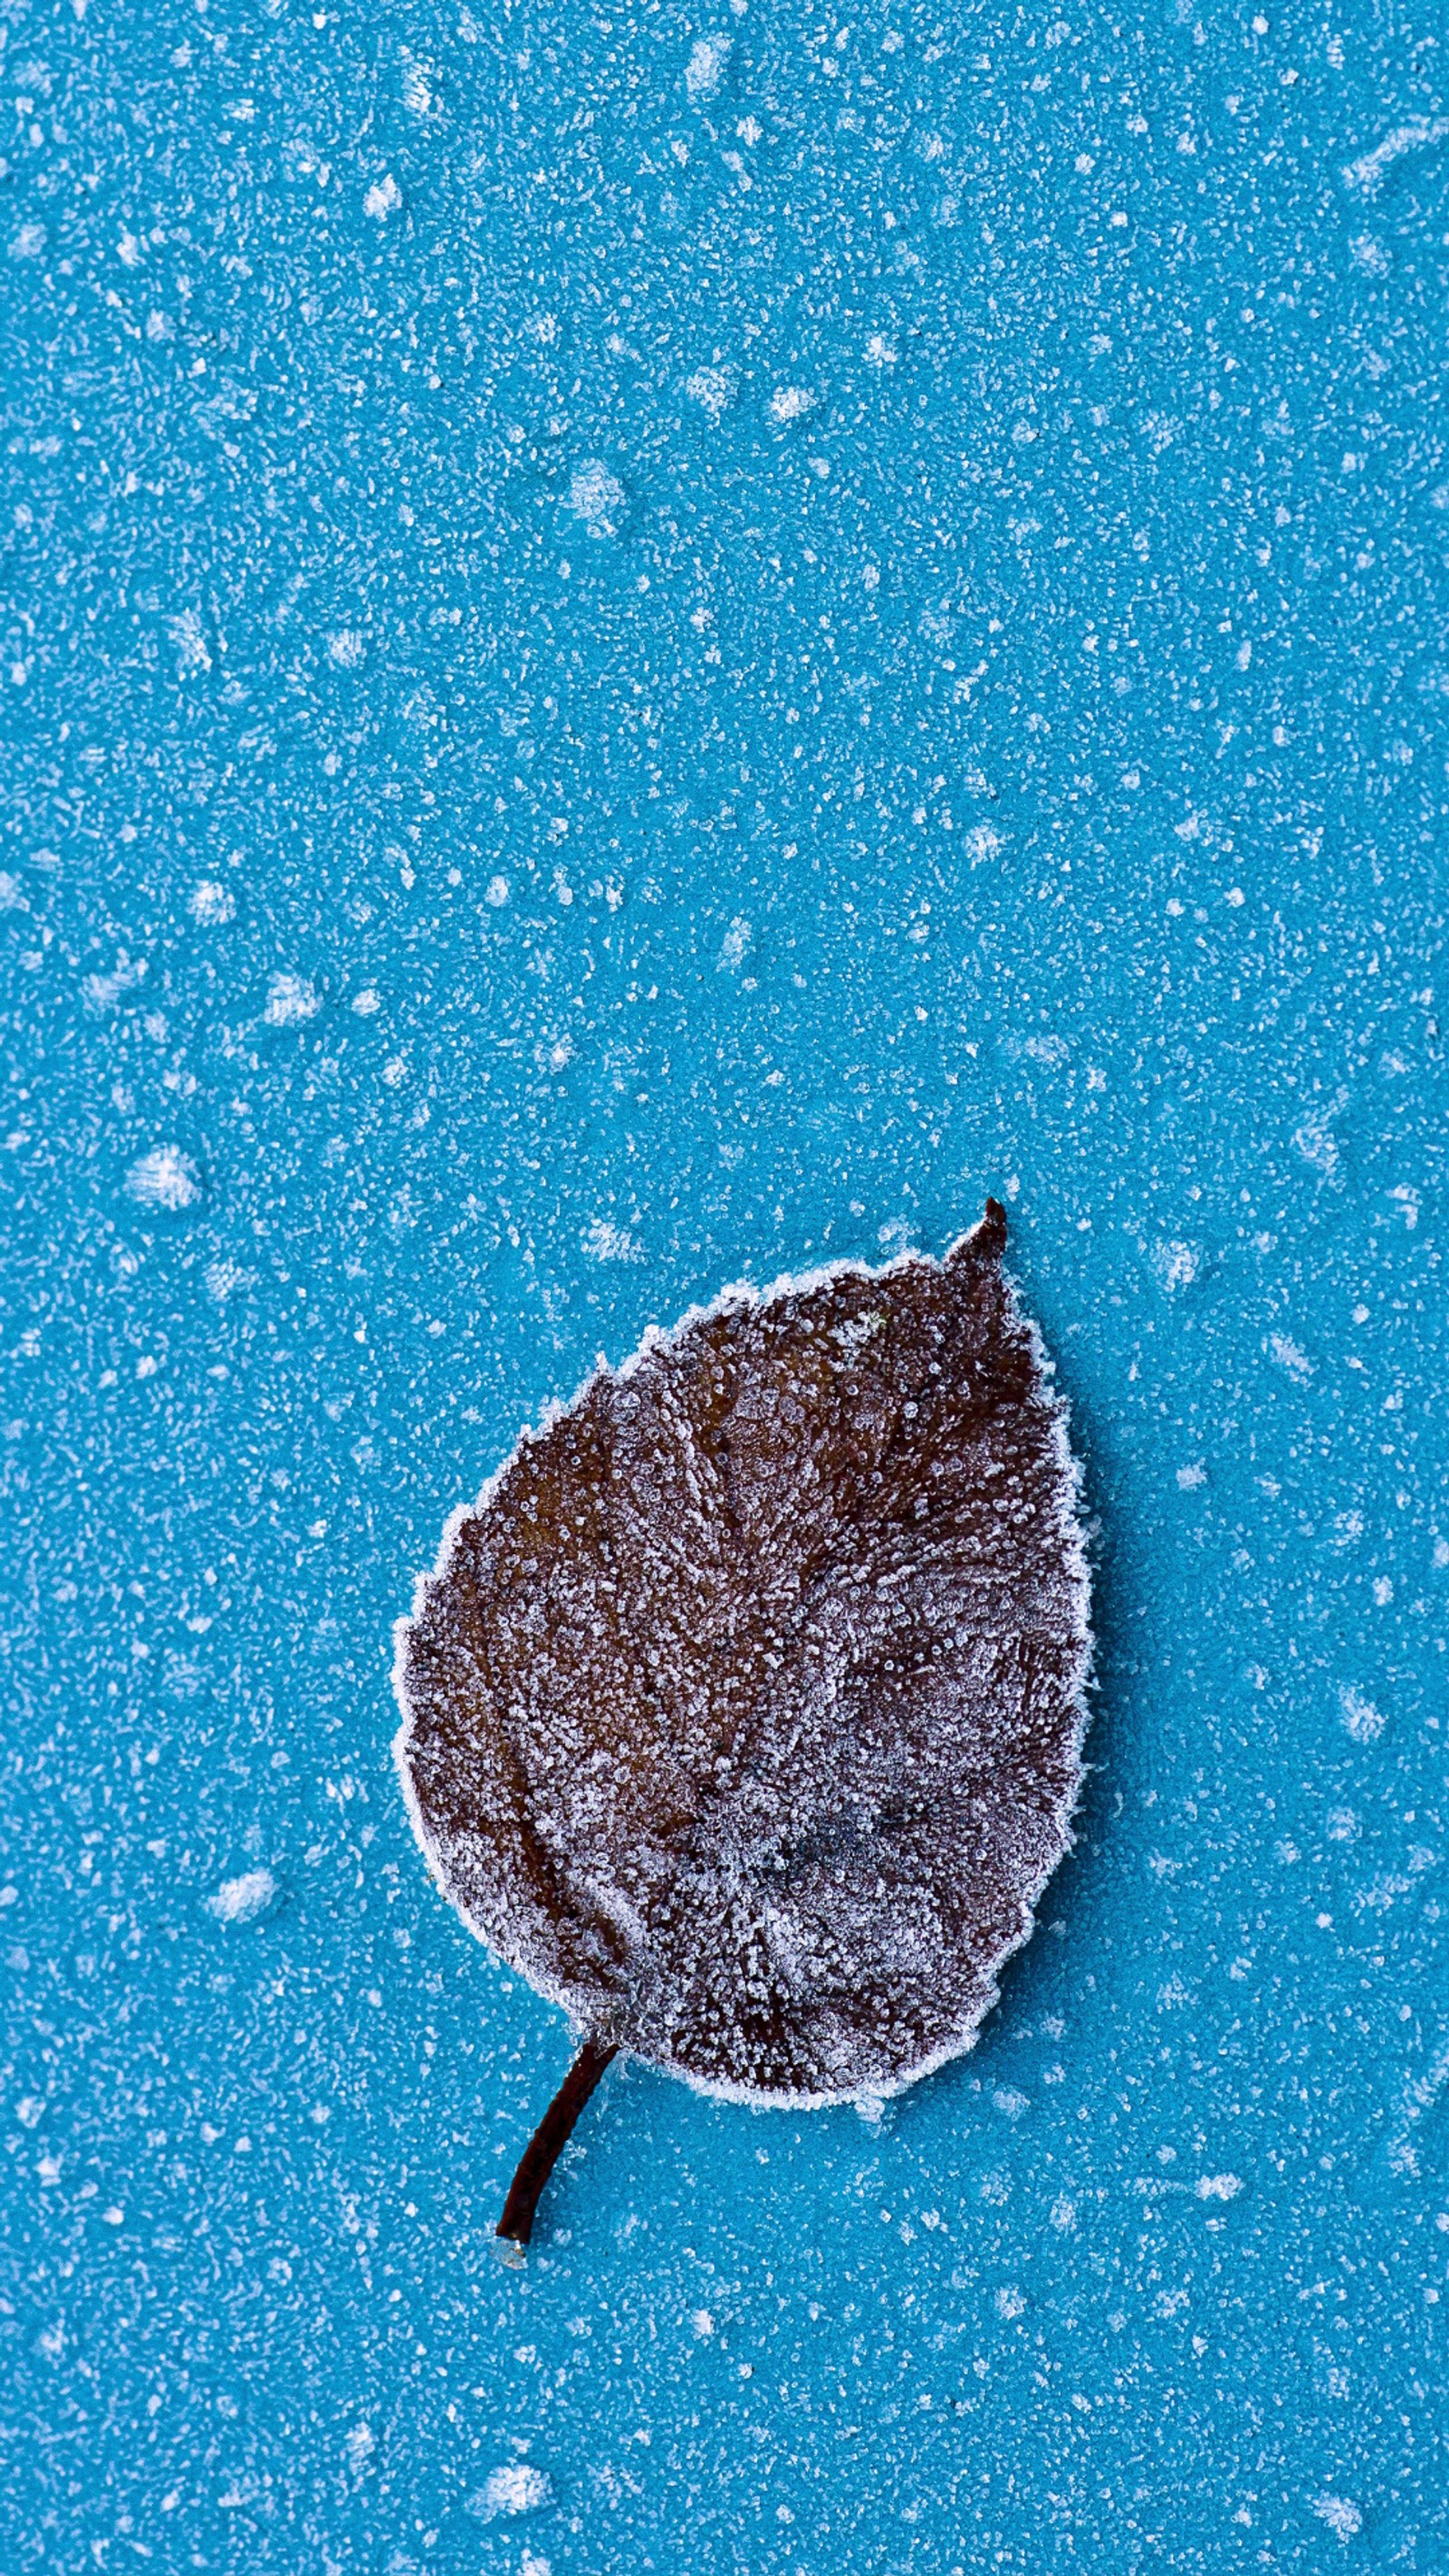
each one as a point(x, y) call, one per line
point(991, 1232)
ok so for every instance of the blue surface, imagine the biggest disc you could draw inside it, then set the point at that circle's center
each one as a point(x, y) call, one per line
point(526, 828)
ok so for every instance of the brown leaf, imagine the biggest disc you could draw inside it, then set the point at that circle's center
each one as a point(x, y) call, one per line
point(743, 1712)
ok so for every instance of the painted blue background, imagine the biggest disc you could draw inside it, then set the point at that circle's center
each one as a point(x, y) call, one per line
point(531, 826)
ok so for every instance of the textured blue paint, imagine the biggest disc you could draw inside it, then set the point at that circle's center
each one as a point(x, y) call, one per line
point(657, 833)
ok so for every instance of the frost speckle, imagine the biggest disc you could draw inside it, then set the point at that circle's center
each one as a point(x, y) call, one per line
point(597, 497)
point(418, 92)
point(193, 654)
point(291, 999)
point(224, 1278)
point(516, 2488)
point(1176, 1265)
point(1340, 2515)
point(383, 199)
point(736, 944)
point(102, 992)
point(243, 1900)
point(705, 68)
point(165, 1178)
point(713, 388)
point(1288, 1356)
point(1365, 175)
point(1315, 1141)
point(346, 649)
point(606, 1242)
point(789, 402)
point(1361, 1719)
point(212, 904)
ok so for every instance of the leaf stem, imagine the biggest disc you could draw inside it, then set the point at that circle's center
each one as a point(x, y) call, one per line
point(550, 2138)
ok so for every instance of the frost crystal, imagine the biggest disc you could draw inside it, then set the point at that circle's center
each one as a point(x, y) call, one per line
point(242, 1900)
point(1339, 2514)
point(713, 388)
point(290, 1000)
point(705, 68)
point(513, 2489)
point(165, 1178)
point(597, 497)
point(212, 904)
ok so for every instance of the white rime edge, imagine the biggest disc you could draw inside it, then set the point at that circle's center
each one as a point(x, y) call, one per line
point(740, 1293)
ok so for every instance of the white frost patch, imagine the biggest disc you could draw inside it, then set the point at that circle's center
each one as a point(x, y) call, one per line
point(606, 1242)
point(736, 944)
point(164, 1178)
point(191, 650)
point(1339, 2514)
point(212, 904)
point(383, 199)
point(1219, 2186)
point(368, 1002)
point(1176, 1265)
point(290, 1000)
point(496, 892)
point(788, 402)
point(597, 497)
point(982, 842)
point(1362, 1720)
point(1189, 1478)
point(1315, 1139)
point(1052, 1052)
point(360, 2445)
point(417, 87)
point(1288, 1356)
point(346, 648)
point(516, 2488)
point(705, 68)
point(713, 388)
point(241, 1900)
point(102, 992)
point(1421, 2094)
point(224, 1278)
point(879, 351)
point(1365, 175)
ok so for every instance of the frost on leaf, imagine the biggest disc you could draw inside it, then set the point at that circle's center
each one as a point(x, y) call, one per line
point(743, 1712)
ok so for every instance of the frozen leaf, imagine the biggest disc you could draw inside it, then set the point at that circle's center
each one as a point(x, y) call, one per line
point(743, 1712)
